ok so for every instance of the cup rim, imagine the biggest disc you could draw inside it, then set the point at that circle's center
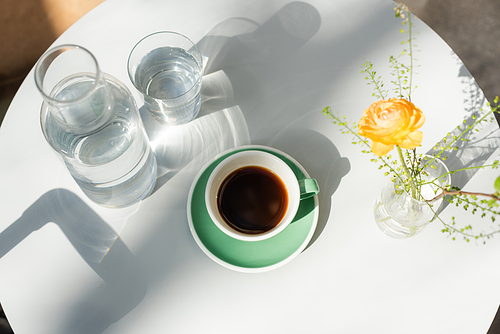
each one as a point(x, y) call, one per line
point(292, 187)
point(60, 49)
point(132, 80)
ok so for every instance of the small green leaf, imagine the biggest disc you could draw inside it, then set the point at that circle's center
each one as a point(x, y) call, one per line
point(497, 184)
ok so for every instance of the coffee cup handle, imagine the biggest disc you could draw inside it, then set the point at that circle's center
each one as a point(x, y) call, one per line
point(308, 188)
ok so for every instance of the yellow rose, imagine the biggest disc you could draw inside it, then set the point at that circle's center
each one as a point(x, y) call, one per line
point(392, 122)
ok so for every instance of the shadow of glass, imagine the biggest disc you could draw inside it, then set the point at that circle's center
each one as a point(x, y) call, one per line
point(191, 145)
point(238, 41)
point(220, 125)
point(99, 245)
point(216, 93)
point(257, 57)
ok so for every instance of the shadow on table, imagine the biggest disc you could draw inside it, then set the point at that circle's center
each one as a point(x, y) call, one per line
point(221, 125)
point(192, 145)
point(233, 43)
point(252, 56)
point(260, 61)
point(476, 147)
point(319, 156)
point(99, 245)
point(238, 41)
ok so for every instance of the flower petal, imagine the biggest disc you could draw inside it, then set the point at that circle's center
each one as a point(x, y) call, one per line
point(381, 149)
point(392, 122)
point(412, 140)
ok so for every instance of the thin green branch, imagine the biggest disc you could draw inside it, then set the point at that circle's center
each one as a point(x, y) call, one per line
point(451, 229)
point(494, 165)
point(409, 175)
point(456, 138)
point(411, 54)
point(328, 112)
point(368, 67)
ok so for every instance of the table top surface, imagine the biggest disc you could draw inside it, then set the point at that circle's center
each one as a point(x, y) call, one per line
point(70, 266)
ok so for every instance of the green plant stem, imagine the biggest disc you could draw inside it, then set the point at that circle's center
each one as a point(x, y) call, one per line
point(328, 112)
point(465, 131)
point(369, 68)
point(461, 231)
point(457, 170)
point(410, 178)
point(411, 54)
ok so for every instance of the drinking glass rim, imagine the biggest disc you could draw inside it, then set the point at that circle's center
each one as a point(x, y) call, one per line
point(200, 62)
point(64, 48)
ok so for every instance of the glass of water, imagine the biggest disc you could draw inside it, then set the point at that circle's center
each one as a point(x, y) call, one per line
point(166, 67)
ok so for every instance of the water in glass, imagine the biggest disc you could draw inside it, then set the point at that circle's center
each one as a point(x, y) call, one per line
point(170, 79)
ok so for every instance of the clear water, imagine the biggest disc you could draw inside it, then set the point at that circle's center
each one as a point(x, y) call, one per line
point(399, 215)
point(102, 142)
point(170, 79)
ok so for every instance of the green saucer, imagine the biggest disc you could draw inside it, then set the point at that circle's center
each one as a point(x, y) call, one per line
point(250, 256)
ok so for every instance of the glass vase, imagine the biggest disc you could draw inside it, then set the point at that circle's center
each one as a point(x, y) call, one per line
point(91, 120)
point(399, 215)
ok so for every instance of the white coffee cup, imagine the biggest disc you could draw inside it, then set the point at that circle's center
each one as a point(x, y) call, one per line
point(296, 189)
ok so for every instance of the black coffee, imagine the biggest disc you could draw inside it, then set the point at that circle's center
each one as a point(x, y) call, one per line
point(252, 200)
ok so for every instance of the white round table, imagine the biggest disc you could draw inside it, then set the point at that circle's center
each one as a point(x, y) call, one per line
point(70, 266)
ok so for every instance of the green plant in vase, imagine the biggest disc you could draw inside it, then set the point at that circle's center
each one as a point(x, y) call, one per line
point(418, 183)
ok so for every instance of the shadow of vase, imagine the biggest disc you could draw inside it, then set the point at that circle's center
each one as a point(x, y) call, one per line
point(476, 147)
